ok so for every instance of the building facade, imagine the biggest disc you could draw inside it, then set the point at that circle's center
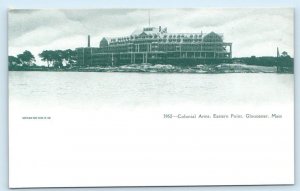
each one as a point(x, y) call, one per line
point(156, 46)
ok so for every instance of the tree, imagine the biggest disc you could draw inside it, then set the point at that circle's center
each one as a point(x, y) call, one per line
point(57, 57)
point(45, 56)
point(49, 56)
point(253, 60)
point(285, 60)
point(26, 58)
point(70, 56)
point(284, 54)
point(13, 61)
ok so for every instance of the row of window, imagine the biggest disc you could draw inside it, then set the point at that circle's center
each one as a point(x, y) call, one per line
point(171, 55)
point(163, 47)
point(155, 36)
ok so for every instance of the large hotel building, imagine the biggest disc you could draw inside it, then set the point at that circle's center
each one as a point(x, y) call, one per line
point(155, 45)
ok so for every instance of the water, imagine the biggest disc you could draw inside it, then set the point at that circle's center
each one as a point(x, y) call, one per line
point(78, 89)
point(107, 126)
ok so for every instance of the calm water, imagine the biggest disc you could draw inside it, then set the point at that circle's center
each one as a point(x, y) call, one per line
point(71, 89)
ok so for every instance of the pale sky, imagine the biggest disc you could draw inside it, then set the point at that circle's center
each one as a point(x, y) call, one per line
point(252, 31)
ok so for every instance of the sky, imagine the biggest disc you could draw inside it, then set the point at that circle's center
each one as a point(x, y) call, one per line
point(252, 31)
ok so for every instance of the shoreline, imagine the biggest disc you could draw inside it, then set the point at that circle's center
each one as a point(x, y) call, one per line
point(165, 68)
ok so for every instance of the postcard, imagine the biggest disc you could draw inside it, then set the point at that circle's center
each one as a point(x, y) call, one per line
point(151, 97)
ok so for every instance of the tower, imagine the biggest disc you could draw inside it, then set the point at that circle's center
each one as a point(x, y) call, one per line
point(89, 41)
point(149, 18)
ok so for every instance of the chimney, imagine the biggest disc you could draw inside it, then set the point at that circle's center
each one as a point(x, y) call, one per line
point(89, 41)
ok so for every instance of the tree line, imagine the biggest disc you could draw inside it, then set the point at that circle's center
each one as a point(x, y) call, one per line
point(53, 58)
point(282, 60)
